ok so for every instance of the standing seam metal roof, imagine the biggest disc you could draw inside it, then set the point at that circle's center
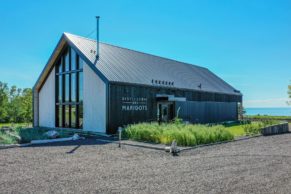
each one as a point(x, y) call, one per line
point(127, 66)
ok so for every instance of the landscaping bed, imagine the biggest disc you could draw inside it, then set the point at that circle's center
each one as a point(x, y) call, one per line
point(192, 134)
point(19, 135)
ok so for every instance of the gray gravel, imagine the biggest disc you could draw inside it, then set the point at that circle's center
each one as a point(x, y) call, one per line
point(258, 165)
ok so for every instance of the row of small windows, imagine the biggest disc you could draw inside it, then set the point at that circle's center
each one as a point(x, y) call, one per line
point(69, 90)
point(168, 83)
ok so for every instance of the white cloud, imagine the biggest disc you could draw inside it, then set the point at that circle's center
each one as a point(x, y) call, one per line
point(273, 102)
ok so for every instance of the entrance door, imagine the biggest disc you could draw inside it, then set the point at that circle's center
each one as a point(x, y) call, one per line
point(165, 111)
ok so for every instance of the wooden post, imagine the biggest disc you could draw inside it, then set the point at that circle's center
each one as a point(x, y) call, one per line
point(119, 133)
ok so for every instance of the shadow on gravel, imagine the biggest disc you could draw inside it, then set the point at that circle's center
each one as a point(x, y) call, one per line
point(77, 143)
point(74, 149)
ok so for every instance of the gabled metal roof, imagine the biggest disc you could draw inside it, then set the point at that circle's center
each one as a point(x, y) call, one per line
point(127, 66)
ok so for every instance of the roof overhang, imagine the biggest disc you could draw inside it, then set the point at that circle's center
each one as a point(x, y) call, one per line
point(64, 40)
point(48, 67)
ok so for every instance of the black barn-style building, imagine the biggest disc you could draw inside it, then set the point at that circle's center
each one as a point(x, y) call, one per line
point(123, 86)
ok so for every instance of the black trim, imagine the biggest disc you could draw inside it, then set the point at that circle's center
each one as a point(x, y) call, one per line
point(87, 61)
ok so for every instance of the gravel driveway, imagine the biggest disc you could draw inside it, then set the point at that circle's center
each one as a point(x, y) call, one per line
point(257, 165)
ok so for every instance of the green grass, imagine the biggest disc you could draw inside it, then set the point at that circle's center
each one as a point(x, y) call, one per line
point(185, 135)
point(267, 117)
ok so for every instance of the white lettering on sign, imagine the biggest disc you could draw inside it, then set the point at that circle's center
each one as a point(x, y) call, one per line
point(133, 107)
point(134, 104)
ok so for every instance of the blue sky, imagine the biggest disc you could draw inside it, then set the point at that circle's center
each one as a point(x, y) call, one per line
point(247, 43)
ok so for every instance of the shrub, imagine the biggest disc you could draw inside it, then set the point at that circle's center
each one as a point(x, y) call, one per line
point(253, 128)
point(182, 137)
point(268, 122)
point(178, 120)
point(7, 139)
point(142, 132)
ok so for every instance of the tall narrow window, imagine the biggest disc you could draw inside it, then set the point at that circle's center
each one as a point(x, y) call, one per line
point(73, 116)
point(69, 90)
point(60, 115)
point(80, 116)
point(67, 62)
point(67, 87)
point(60, 66)
point(73, 87)
point(73, 60)
point(80, 86)
point(60, 88)
point(67, 116)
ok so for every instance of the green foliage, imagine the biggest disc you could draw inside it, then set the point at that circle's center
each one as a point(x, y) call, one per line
point(4, 90)
point(254, 128)
point(143, 132)
point(6, 138)
point(15, 104)
point(269, 122)
point(185, 135)
point(178, 120)
point(236, 130)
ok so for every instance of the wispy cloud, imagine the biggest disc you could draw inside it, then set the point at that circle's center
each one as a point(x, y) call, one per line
point(272, 102)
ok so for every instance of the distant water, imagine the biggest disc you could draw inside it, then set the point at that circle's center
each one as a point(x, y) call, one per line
point(269, 111)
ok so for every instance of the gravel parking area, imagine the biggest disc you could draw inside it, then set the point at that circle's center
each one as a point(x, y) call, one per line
point(257, 165)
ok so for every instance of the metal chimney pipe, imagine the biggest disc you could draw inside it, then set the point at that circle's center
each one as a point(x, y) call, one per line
point(97, 38)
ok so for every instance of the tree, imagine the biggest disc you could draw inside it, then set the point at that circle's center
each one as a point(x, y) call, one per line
point(15, 109)
point(15, 104)
point(27, 104)
point(4, 90)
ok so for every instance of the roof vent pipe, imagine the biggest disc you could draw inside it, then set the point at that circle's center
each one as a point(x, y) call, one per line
point(97, 37)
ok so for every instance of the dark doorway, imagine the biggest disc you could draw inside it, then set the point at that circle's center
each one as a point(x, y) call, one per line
point(165, 111)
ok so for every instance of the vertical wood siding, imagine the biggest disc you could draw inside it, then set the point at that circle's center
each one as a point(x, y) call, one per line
point(94, 91)
point(207, 112)
point(200, 106)
point(47, 102)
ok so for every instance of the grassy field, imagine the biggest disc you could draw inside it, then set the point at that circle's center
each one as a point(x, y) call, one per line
point(267, 117)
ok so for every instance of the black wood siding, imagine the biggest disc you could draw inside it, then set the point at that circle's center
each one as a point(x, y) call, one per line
point(137, 93)
point(206, 112)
